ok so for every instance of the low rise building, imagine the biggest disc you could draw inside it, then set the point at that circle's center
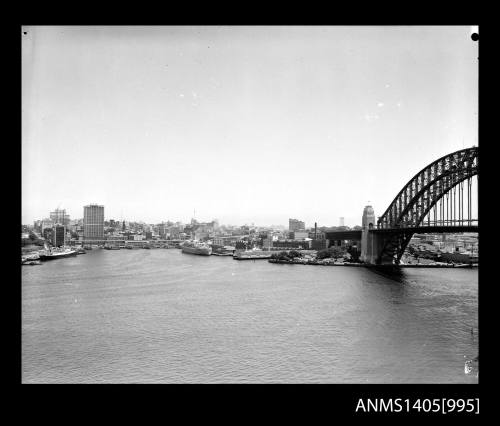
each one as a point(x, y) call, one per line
point(319, 244)
point(267, 243)
point(299, 235)
point(289, 244)
point(316, 235)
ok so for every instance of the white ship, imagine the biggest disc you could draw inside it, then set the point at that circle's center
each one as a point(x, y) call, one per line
point(195, 247)
point(52, 254)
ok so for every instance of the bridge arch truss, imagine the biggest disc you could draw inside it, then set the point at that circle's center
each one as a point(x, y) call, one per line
point(439, 198)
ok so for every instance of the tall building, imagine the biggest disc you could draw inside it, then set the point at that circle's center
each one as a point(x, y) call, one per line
point(93, 222)
point(341, 221)
point(296, 225)
point(59, 236)
point(60, 216)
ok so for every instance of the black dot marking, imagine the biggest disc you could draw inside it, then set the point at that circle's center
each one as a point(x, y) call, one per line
point(474, 36)
point(25, 33)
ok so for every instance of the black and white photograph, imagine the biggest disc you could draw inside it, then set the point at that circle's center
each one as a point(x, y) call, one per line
point(249, 204)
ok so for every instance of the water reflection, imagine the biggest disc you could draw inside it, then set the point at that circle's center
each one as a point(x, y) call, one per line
point(392, 272)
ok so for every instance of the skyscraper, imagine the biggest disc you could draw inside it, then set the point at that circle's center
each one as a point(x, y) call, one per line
point(341, 221)
point(59, 235)
point(93, 222)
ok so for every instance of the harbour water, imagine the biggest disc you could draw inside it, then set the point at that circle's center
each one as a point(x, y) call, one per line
point(161, 316)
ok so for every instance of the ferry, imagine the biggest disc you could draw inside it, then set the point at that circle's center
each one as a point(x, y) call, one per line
point(195, 247)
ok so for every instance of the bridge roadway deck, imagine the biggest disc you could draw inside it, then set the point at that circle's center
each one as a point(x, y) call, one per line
point(356, 235)
point(429, 229)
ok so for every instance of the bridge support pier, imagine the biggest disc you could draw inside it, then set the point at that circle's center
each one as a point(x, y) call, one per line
point(380, 248)
point(372, 245)
point(384, 247)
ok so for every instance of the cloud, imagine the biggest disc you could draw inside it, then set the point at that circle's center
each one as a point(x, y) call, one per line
point(399, 104)
point(181, 95)
point(380, 104)
point(371, 117)
point(387, 85)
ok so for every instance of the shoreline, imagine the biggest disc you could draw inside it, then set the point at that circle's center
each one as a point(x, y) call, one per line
point(365, 265)
point(312, 262)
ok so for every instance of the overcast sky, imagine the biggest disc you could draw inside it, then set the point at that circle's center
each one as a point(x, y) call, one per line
point(244, 124)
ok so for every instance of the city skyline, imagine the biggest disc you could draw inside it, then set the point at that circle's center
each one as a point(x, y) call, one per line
point(69, 219)
point(244, 124)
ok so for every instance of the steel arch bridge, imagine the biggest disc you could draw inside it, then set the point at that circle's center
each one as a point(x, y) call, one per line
point(437, 199)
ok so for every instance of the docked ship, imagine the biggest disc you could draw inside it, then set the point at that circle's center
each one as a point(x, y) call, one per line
point(52, 254)
point(194, 247)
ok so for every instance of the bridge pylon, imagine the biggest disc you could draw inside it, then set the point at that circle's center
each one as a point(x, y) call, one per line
point(369, 242)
